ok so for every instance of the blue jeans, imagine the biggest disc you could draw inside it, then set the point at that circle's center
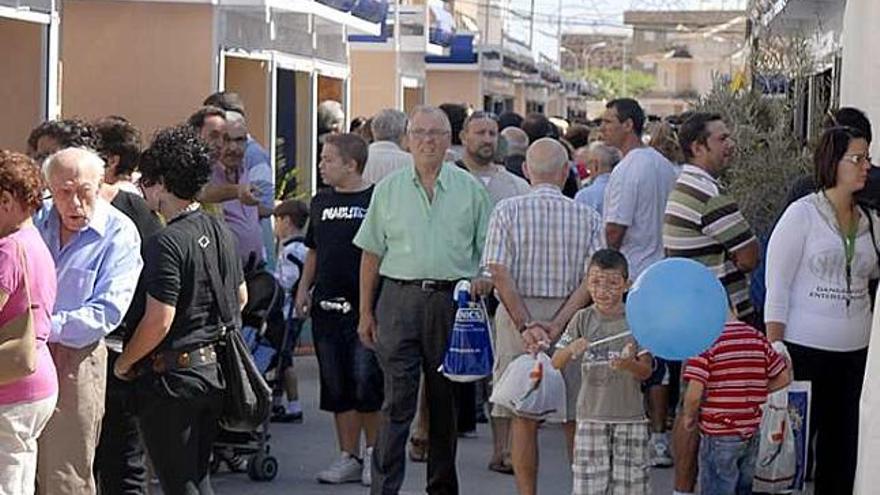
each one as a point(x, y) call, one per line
point(727, 464)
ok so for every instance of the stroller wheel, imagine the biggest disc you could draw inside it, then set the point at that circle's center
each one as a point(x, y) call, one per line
point(263, 467)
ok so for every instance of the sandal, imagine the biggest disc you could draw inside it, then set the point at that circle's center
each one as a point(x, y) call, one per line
point(418, 450)
point(500, 467)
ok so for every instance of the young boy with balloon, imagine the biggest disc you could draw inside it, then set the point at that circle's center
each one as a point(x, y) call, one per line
point(612, 429)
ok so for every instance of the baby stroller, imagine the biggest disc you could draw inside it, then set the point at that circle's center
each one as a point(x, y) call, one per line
point(250, 451)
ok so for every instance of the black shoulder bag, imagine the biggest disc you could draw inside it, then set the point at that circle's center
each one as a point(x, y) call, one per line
point(248, 399)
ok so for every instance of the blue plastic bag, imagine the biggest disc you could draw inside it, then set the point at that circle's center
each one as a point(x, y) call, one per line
point(469, 353)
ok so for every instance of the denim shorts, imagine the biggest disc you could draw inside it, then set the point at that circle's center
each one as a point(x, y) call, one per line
point(727, 463)
point(350, 376)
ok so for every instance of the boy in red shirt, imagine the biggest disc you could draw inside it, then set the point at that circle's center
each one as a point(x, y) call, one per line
point(727, 384)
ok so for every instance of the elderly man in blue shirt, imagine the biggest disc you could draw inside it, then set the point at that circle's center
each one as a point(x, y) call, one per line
point(97, 256)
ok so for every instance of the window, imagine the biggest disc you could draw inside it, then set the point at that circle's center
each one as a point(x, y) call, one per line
point(650, 36)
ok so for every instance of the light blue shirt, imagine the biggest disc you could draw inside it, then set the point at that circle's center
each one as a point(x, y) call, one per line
point(594, 194)
point(261, 174)
point(97, 273)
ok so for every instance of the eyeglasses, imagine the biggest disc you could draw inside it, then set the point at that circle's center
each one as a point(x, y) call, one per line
point(856, 159)
point(426, 133)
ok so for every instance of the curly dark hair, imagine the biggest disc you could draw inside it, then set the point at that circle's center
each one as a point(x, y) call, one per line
point(22, 178)
point(69, 133)
point(119, 138)
point(177, 159)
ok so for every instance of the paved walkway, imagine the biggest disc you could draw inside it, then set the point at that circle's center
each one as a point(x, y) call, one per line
point(304, 449)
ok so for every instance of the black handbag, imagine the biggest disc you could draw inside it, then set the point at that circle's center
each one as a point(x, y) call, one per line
point(248, 399)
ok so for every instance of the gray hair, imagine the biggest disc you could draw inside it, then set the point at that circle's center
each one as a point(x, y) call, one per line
point(517, 140)
point(609, 156)
point(85, 159)
point(389, 125)
point(429, 110)
point(234, 117)
point(330, 113)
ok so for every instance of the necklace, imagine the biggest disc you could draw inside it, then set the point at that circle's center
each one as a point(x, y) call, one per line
point(183, 211)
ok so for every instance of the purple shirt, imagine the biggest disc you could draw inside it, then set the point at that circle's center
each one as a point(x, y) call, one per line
point(41, 279)
point(243, 221)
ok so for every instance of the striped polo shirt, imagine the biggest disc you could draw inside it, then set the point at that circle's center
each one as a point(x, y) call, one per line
point(735, 372)
point(704, 224)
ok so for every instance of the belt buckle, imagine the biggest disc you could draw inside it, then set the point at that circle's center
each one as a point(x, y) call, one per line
point(427, 285)
point(183, 360)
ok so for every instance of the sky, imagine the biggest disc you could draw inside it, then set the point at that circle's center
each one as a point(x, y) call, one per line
point(607, 15)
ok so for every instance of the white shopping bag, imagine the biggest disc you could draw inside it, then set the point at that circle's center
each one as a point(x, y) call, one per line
point(776, 465)
point(533, 388)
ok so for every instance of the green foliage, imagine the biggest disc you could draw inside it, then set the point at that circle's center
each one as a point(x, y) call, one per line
point(287, 182)
point(610, 83)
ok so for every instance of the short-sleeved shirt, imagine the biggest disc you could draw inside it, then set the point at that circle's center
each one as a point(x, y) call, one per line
point(176, 276)
point(705, 224)
point(635, 197)
point(545, 240)
point(334, 219)
point(384, 158)
point(147, 224)
point(594, 193)
point(607, 395)
point(440, 239)
point(500, 184)
point(735, 372)
point(242, 220)
point(40, 272)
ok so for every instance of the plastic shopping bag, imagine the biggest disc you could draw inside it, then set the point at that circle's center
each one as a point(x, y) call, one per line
point(533, 388)
point(782, 450)
point(469, 353)
point(776, 465)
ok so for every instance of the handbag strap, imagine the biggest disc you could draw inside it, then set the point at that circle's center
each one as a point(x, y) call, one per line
point(867, 213)
point(25, 272)
point(212, 267)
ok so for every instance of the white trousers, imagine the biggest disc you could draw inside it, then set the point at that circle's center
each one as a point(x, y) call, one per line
point(20, 426)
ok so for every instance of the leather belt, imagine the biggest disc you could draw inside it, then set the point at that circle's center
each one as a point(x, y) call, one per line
point(428, 285)
point(165, 361)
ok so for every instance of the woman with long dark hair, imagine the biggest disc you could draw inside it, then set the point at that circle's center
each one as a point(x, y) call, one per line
point(819, 260)
point(191, 269)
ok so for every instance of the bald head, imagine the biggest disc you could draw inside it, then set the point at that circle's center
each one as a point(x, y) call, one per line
point(547, 162)
point(517, 140)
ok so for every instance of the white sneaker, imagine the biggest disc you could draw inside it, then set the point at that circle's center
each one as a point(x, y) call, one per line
point(660, 453)
point(346, 469)
point(367, 472)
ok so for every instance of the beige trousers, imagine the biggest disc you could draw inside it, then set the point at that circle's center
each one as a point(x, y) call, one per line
point(67, 446)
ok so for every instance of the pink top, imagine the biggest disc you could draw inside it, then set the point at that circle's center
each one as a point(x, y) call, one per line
point(41, 278)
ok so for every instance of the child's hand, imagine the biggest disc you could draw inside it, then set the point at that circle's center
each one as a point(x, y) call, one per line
point(579, 347)
point(626, 359)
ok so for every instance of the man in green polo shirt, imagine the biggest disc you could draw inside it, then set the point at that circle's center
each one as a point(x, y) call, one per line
point(424, 230)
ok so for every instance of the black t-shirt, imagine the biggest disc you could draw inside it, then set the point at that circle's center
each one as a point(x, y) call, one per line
point(175, 275)
point(334, 220)
point(147, 223)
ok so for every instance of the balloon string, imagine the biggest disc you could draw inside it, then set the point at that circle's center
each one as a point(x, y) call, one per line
point(610, 339)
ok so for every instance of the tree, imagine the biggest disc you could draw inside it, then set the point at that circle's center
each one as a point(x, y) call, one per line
point(615, 83)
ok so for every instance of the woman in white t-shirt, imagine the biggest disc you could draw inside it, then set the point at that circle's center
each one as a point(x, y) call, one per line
point(819, 260)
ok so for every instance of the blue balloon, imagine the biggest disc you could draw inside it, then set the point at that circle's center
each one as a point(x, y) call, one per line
point(677, 308)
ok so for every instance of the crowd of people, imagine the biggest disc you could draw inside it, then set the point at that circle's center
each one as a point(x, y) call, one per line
point(123, 265)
